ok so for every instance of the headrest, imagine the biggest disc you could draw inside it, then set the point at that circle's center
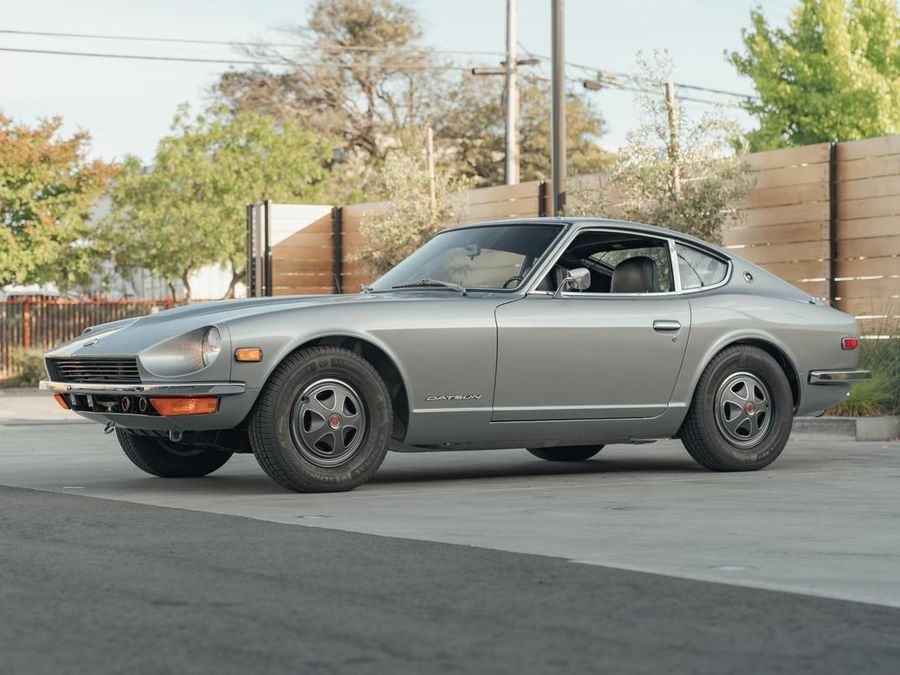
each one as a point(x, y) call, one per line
point(635, 275)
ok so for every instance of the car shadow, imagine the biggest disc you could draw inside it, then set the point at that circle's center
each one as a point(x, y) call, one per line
point(513, 468)
point(249, 480)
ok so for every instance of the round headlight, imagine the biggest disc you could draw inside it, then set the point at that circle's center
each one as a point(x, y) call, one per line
point(212, 345)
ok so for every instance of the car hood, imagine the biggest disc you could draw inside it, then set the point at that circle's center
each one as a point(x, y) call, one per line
point(130, 336)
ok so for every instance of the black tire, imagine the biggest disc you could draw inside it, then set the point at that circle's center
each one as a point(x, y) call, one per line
point(169, 460)
point(277, 422)
point(566, 453)
point(705, 431)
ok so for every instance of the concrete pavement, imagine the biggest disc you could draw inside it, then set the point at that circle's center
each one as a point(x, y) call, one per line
point(823, 520)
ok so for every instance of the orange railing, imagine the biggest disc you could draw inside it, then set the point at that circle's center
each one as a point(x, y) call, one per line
point(37, 323)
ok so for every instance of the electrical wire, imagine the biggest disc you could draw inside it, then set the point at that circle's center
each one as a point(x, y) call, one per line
point(189, 59)
point(239, 43)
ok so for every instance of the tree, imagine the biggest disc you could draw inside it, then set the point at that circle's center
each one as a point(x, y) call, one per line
point(187, 210)
point(472, 127)
point(673, 171)
point(360, 76)
point(48, 189)
point(411, 217)
point(366, 78)
point(834, 75)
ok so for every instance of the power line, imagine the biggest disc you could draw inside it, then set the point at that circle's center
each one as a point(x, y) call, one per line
point(637, 78)
point(238, 43)
point(188, 59)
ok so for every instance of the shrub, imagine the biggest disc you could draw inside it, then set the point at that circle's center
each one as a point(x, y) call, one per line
point(881, 394)
point(30, 366)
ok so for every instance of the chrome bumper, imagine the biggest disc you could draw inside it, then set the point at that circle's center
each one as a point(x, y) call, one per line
point(180, 389)
point(838, 376)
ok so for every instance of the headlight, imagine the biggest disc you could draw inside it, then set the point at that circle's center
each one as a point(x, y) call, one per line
point(212, 345)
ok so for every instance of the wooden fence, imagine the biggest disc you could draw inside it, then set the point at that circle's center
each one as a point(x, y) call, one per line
point(825, 217)
point(36, 323)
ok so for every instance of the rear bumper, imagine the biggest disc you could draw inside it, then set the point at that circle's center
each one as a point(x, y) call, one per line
point(179, 389)
point(838, 376)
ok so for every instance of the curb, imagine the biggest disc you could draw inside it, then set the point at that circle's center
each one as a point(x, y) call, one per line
point(22, 391)
point(885, 428)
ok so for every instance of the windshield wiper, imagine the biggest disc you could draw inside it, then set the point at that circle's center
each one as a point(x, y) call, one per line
point(434, 283)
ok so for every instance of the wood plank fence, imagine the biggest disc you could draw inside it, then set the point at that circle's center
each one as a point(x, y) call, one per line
point(825, 217)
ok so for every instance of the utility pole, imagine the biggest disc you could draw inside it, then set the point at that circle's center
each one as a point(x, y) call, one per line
point(512, 92)
point(429, 150)
point(510, 70)
point(672, 147)
point(558, 110)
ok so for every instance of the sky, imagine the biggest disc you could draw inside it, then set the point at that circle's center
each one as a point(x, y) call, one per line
point(128, 105)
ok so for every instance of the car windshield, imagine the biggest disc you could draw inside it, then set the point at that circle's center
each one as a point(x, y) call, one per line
point(493, 257)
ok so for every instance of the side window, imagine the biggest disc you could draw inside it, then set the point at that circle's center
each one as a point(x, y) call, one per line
point(619, 262)
point(698, 269)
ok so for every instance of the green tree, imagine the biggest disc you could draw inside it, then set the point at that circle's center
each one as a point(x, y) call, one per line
point(48, 189)
point(688, 180)
point(187, 210)
point(411, 217)
point(833, 75)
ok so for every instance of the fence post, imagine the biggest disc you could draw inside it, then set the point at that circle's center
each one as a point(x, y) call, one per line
point(542, 199)
point(26, 323)
point(832, 223)
point(337, 225)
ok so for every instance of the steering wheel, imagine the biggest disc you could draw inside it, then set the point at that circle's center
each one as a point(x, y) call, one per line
point(516, 279)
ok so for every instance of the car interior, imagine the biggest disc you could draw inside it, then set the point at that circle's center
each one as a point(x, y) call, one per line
point(618, 262)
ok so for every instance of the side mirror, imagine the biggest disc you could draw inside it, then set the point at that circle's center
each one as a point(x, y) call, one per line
point(578, 279)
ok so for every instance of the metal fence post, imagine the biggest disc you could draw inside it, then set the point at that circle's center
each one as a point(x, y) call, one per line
point(26, 323)
point(832, 223)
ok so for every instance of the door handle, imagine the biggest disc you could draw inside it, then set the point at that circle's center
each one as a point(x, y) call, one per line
point(666, 326)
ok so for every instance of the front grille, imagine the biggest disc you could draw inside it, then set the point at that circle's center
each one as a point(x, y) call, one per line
point(119, 371)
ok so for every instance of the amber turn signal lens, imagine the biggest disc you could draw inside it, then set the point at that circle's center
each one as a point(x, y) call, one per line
point(62, 401)
point(173, 406)
point(849, 343)
point(251, 354)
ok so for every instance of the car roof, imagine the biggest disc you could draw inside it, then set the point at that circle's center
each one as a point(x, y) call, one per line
point(585, 222)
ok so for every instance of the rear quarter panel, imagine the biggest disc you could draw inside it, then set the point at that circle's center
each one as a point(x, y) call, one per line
point(809, 335)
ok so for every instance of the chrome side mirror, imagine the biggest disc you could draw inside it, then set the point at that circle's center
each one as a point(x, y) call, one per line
point(578, 279)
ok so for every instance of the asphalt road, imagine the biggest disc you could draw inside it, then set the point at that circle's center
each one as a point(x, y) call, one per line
point(94, 586)
point(637, 561)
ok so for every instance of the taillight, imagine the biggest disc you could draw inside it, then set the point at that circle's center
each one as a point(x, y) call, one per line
point(849, 343)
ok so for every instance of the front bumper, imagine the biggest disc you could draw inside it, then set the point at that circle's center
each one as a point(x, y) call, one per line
point(839, 376)
point(102, 402)
point(179, 389)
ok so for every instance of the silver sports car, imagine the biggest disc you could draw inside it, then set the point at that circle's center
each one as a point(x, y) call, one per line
point(556, 335)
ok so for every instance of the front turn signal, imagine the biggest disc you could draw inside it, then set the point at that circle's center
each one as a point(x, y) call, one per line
point(175, 406)
point(62, 401)
point(248, 354)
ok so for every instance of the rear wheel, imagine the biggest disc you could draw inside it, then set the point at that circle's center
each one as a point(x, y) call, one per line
point(742, 412)
point(566, 453)
point(162, 458)
point(323, 421)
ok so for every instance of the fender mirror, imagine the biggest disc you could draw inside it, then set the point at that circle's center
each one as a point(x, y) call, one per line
point(578, 279)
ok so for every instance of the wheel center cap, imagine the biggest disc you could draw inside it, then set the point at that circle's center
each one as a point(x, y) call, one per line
point(749, 408)
point(335, 421)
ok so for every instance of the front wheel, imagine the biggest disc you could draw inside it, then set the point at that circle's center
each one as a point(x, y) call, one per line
point(566, 453)
point(323, 421)
point(165, 459)
point(742, 412)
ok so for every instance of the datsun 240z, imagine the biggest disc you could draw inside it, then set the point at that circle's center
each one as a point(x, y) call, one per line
point(555, 335)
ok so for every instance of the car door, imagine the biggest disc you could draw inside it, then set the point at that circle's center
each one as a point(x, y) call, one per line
point(588, 355)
